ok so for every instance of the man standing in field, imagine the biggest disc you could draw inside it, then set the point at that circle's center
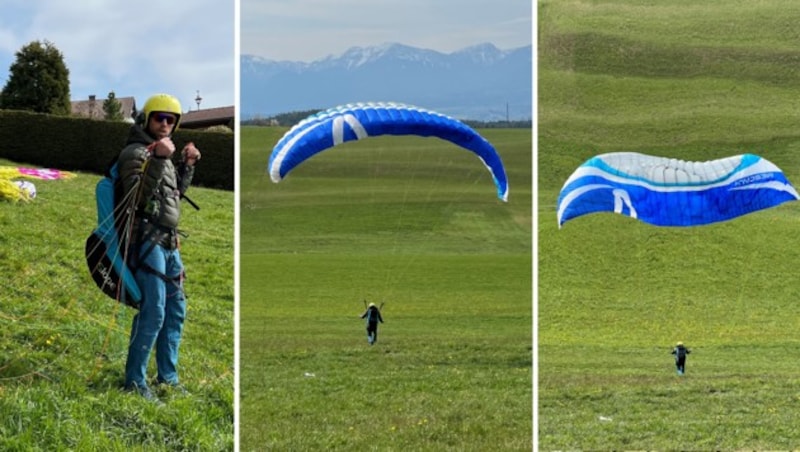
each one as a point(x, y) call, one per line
point(373, 316)
point(146, 167)
point(680, 353)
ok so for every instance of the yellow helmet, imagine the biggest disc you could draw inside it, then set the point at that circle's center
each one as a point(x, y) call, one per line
point(679, 344)
point(163, 103)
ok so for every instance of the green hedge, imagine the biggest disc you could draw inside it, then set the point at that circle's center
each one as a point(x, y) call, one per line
point(82, 144)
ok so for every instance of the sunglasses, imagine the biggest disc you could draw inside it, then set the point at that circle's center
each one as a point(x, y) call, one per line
point(161, 117)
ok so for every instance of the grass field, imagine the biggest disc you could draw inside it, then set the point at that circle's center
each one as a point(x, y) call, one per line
point(63, 344)
point(411, 222)
point(696, 81)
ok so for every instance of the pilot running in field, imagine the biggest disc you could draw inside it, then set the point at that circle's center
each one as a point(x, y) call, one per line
point(680, 352)
point(373, 316)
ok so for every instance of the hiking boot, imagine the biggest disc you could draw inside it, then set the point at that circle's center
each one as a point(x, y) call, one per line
point(143, 391)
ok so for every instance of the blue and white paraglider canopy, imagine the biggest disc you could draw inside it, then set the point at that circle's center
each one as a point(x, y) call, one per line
point(351, 122)
point(670, 192)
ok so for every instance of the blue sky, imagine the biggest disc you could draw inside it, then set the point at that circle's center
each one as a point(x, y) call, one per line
point(132, 48)
point(307, 30)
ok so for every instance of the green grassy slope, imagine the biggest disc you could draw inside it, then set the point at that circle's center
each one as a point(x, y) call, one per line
point(415, 223)
point(696, 82)
point(63, 344)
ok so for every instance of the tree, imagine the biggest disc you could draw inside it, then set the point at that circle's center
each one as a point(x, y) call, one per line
point(38, 81)
point(113, 108)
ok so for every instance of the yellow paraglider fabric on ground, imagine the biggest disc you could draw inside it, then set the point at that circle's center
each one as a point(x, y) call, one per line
point(10, 191)
point(15, 190)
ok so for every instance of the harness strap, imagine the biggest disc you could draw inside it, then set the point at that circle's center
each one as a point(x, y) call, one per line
point(176, 280)
point(151, 234)
point(141, 264)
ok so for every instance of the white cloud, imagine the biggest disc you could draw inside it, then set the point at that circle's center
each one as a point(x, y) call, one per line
point(133, 48)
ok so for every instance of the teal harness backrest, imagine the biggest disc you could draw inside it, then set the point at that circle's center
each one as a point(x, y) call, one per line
point(104, 253)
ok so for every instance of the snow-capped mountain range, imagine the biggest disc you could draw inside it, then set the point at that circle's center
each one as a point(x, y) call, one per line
point(479, 82)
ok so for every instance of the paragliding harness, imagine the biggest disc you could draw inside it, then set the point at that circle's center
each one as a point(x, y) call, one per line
point(108, 246)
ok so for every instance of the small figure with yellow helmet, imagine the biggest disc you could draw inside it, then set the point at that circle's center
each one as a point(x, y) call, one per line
point(680, 351)
point(372, 316)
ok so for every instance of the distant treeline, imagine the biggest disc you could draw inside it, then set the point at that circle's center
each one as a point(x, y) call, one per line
point(292, 118)
point(521, 124)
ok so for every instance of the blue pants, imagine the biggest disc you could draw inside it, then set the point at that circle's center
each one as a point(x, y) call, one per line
point(160, 318)
point(680, 365)
point(372, 333)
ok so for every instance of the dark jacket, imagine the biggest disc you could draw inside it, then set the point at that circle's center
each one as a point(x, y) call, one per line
point(162, 184)
point(373, 315)
point(680, 352)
